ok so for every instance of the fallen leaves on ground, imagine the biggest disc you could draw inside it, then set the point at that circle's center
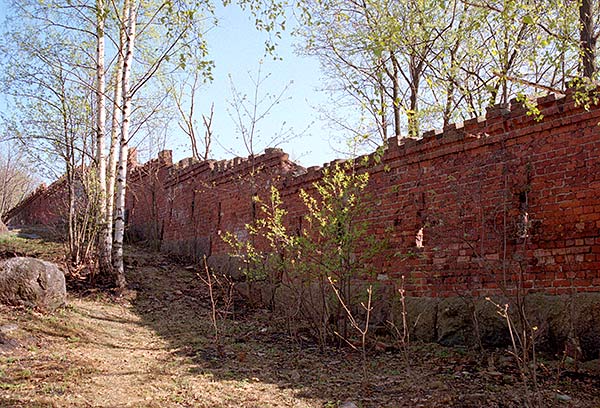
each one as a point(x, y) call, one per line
point(154, 347)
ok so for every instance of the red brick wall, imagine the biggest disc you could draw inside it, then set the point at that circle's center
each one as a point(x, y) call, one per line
point(504, 201)
point(45, 206)
point(191, 203)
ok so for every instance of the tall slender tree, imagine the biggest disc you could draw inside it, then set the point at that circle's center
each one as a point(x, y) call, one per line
point(130, 36)
point(408, 61)
point(104, 218)
point(588, 37)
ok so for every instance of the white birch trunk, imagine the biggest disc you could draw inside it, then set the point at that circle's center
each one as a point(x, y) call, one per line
point(104, 252)
point(112, 156)
point(119, 268)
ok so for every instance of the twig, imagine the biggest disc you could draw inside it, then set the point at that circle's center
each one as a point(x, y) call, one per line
point(213, 316)
point(404, 337)
point(363, 331)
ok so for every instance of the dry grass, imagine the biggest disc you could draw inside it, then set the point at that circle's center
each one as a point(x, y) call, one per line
point(153, 347)
point(34, 242)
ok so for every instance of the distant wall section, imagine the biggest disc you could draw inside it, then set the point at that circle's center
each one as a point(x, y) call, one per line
point(47, 206)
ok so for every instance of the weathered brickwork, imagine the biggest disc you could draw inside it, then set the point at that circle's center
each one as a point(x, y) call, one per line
point(502, 202)
point(47, 205)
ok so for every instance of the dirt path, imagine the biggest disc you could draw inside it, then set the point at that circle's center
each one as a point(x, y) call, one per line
point(154, 348)
point(135, 352)
point(122, 363)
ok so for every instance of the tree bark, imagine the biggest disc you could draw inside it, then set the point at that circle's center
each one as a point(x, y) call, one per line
point(416, 70)
point(587, 39)
point(104, 240)
point(119, 268)
point(115, 127)
point(396, 96)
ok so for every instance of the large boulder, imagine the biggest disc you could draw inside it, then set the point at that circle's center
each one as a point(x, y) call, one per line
point(32, 282)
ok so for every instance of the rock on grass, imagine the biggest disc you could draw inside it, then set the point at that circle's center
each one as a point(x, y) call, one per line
point(32, 282)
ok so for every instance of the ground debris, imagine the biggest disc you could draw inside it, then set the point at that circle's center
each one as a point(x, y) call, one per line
point(156, 347)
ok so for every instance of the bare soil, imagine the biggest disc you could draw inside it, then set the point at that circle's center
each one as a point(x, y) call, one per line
point(153, 346)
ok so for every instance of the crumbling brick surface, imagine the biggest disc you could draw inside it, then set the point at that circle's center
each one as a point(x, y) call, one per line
point(501, 202)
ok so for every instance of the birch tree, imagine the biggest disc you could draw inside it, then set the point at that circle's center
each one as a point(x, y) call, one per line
point(51, 119)
point(104, 217)
point(183, 34)
point(77, 46)
point(114, 142)
point(130, 35)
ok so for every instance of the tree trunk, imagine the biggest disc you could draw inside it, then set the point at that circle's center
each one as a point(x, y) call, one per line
point(104, 255)
point(119, 268)
point(396, 96)
point(72, 227)
point(416, 69)
point(587, 40)
point(383, 110)
point(112, 156)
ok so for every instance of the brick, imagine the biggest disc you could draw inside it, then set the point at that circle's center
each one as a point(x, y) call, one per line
point(465, 186)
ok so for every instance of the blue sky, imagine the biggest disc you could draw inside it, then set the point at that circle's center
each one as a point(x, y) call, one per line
point(237, 47)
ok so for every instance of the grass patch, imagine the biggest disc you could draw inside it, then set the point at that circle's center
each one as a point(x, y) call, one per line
point(8, 386)
point(20, 243)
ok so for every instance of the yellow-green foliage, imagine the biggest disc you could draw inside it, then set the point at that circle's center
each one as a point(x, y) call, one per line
point(333, 246)
point(328, 243)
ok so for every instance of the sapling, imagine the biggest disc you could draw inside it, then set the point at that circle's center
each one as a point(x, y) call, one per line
point(522, 346)
point(404, 335)
point(226, 286)
point(362, 330)
point(332, 242)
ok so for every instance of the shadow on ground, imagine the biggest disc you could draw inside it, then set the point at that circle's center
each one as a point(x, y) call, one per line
point(173, 301)
point(154, 347)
